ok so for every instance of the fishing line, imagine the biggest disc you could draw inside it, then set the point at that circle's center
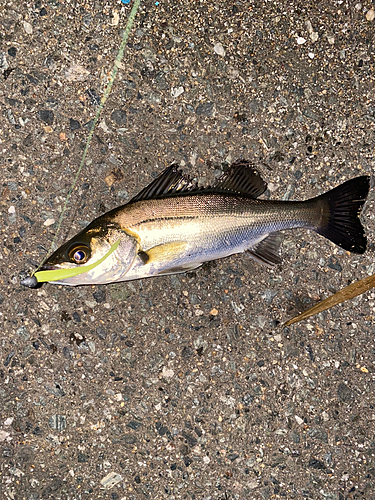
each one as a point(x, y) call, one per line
point(103, 100)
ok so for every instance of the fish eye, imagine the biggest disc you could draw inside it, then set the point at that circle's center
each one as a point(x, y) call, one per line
point(79, 254)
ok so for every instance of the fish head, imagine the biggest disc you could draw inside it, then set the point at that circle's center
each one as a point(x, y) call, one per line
point(101, 253)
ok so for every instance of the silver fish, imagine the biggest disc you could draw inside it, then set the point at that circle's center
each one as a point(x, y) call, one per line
point(173, 226)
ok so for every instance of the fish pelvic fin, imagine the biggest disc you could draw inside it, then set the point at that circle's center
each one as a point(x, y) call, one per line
point(340, 210)
point(267, 251)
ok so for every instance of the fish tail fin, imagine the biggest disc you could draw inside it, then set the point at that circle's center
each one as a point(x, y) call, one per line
point(340, 210)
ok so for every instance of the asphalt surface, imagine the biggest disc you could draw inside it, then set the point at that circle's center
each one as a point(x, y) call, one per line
point(184, 387)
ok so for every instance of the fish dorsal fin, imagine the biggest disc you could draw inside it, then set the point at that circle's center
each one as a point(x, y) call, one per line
point(267, 251)
point(170, 181)
point(241, 178)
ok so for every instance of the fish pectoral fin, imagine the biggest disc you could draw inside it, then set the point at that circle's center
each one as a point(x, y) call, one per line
point(180, 269)
point(168, 253)
point(143, 256)
point(267, 251)
point(164, 252)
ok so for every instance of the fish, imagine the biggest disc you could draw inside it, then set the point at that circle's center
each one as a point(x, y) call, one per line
point(174, 226)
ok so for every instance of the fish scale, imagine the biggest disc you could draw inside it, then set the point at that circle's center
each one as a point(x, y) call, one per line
point(212, 218)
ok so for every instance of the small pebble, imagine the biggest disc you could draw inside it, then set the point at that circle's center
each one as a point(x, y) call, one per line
point(94, 98)
point(299, 420)
point(76, 317)
point(110, 480)
point(76, 73)
point(301, 40)
point(344, 393)
point(102, 334)
point(119, 117)
point(268, 296)
point(334, 264)
point(205, 108)
point(74, 124)
point(370, 15)
point(27, 27)
point(48, 222)
point(99, 295)
point(167, 372)
point(4, 435)
point(47, 116)
point(309, 26)
point(219, 49)
point(115, 19)
point(57, 422)
point(177, 91)
point(3, 62)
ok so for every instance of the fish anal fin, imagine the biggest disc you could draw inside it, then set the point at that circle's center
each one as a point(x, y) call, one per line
point(170, 181)
point(179, 269)
point(241, 178)
point(165, 252)
point(267, 251)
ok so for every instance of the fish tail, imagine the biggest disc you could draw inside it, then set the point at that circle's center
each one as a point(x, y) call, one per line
point(340, 210)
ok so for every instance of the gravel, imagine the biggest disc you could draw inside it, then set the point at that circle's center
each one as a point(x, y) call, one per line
point(184, 386)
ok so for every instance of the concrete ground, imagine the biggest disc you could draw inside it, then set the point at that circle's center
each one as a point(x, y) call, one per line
point(184, 387)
